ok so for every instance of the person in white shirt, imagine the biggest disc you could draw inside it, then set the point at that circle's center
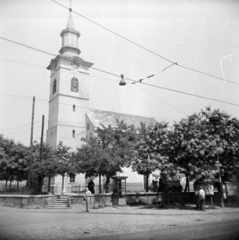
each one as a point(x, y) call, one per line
point(201, 195)
point(87, 194)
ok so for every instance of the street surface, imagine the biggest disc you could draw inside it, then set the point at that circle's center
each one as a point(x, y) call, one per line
point(119, 223)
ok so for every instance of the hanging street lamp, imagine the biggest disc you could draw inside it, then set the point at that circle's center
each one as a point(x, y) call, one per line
point(122, 81)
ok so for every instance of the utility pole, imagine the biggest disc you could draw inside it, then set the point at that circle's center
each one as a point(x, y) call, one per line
point(42, 133)
point(31, 144)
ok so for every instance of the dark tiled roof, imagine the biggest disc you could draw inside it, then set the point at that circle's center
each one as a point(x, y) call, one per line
point(106, 118)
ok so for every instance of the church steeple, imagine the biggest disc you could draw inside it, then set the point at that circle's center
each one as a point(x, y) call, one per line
point(70, 39)
point(70, 23)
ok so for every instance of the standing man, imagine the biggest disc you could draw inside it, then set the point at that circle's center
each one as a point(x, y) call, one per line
point(91, 186)
point(197, 198)
point(201, 195)
point(87, 194)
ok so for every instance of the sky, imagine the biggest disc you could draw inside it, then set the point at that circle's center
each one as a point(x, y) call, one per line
point(199, 35)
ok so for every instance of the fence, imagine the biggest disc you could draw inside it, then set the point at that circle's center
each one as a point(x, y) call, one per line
point(78, 189)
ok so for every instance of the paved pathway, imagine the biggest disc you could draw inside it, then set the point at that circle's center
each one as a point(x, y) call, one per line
point(77, 224)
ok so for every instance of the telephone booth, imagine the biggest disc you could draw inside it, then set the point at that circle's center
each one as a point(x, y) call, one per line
point(172, 191)
point(119, 190)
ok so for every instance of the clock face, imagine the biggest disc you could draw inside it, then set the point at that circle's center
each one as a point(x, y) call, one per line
point(75, 64)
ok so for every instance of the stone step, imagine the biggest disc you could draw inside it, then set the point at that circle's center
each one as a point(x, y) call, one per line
point(59, 204)
point(63, 196)
point(60, 207)
point(62, 202)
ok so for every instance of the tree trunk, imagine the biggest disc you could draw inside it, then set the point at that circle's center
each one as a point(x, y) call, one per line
point(107, 180)
point(6, 184)
point(62, 184)
point(187, 185)
point(49, 184)
point(40, 184)
point(107, 187)
point(147, 182)
point(10, 185)
point(99, 183)
point(17, 185)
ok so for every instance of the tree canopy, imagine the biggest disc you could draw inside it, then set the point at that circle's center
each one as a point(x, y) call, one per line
point(192, 147)
point(107, 152)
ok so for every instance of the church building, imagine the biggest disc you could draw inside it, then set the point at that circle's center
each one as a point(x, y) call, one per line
point(70, 117)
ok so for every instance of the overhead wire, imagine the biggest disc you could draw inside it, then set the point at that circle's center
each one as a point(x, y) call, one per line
point(12, 95)
point(110, 80)
point(126, 39)
point(168, 89)
point(4, 130)
point(23, 45)
point(8, 60)
point(162, 101)
point(149, 94)
point(189, 94)
point(14, 133)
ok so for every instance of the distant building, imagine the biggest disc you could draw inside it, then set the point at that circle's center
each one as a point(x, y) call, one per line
point(70, 118)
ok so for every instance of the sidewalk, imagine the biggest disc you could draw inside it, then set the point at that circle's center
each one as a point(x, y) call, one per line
point(131, 210)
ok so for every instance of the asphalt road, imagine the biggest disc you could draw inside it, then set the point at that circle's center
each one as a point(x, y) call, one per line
point(146, 224)
point(224, 230)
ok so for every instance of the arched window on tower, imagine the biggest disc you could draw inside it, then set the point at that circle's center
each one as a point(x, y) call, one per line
point(54, 87)
point(73, 133)
point(74, 108)
point(74, 85)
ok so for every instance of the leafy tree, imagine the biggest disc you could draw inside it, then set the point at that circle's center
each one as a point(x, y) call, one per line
point(195, 145)
point(152, 153)
point(65, 161)
point(107, 152)
point(44, 167)
point(226, 137)
point(21, 160)
point(13, 161)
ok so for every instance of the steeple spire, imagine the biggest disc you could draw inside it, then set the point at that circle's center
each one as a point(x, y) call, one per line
point(70, 39)
point(70, 24)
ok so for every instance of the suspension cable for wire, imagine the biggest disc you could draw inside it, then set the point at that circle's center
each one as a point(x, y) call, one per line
point(126, 39)
point(140, 80)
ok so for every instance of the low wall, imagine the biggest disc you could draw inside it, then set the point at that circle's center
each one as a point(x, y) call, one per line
point(95, 201)
point(142, 198)
point(27, 201)
point(105, 199)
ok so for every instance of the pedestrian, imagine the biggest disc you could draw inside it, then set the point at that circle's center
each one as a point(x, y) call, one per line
point(86, 198)
point(201, 195)
point(197, 198)
point(91, 186)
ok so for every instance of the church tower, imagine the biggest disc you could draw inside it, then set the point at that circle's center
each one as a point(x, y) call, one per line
point(69, 92)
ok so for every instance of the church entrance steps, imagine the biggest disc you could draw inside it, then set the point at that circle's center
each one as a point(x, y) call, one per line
point(62, 202)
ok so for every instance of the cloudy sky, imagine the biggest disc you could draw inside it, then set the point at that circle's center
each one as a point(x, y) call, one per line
point(198, 35)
